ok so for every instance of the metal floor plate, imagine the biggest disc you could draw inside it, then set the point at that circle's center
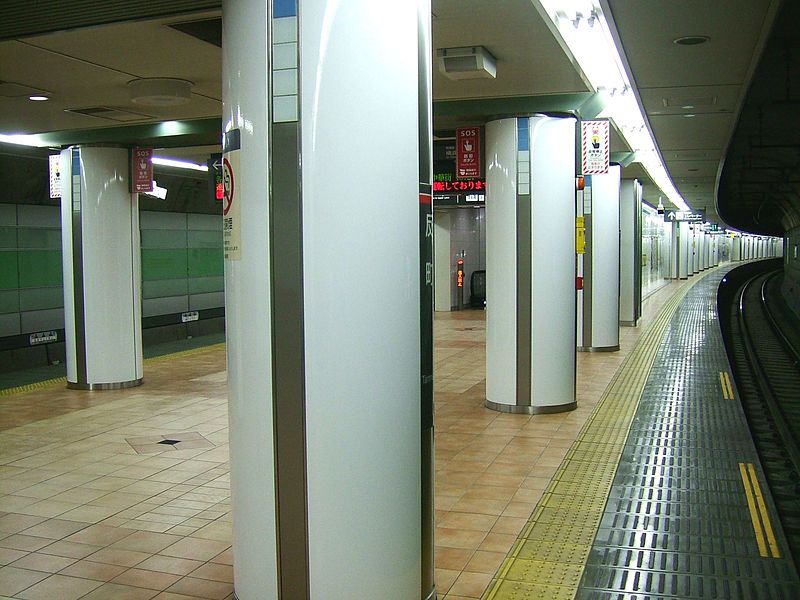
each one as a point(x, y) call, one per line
point(661, 496)
point(689, 515)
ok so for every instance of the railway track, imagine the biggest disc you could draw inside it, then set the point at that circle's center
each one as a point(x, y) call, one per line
point(766, 367)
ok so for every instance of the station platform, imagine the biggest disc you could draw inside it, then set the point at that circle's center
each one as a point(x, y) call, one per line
point(649, 489)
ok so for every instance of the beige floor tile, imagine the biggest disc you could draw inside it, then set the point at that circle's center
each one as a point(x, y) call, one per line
point(146, 541)
point(7, 555)
point(170, 564)
point(117, 556)
point(194, 548)
point(94, 570)
point(454, 559)
point(202, 588)
point(471, 585)
point(60, 587)
point(47, 563)
point(13, 580)
point(28, 543)
point(113, 591)
point(146, 579)
point(69, 549)
point(215, 572)
point(55, 528)
point(100, 535)
point(15, 522)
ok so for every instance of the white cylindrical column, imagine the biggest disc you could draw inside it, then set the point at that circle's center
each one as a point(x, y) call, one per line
point(102, 269)
point(685, 253)
point(695, 250)
point(703, 250)
point(530, 264)
point(322, 294)
point(630, 252)
point(598, 303)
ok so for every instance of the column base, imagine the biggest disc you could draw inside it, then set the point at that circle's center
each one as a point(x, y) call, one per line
point(530, 410)
point(432, 595)
point(116, 385)
point(629, 323)
point(598, 348)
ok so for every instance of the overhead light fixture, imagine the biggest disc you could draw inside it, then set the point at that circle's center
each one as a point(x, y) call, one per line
point(160, 91)
point(22, 139)
point(691, 40)
point(470, 62)
point(178, 164)
point(38, 98)
point(584, 31)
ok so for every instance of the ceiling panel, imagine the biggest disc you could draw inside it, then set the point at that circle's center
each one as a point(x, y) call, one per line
point(690, 99)
point(529, 59)
point(704, 132)
point(648, 27)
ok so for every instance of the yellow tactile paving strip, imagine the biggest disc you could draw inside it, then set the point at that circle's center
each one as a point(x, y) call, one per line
point(549, 556)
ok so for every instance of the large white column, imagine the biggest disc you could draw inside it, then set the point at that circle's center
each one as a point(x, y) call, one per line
point(630, 252)
point(598, 305)
point(530, 264)
point(102, 269)
point(323, 296)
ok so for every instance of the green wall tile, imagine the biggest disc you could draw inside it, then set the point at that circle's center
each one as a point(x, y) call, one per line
point(9, 278)
point(39, 238)
point(41, 298)
point(40, 268)
point(163, 264)
point(9, 301)
point(162, 288)
point(205, 239)
point(8, 237)
point(204, 262)
point(202, 285)
point(164, 238)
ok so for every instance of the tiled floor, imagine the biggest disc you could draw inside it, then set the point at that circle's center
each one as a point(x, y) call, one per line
point(83, 514)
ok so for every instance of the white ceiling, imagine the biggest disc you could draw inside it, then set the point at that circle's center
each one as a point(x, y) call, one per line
point(91, 67)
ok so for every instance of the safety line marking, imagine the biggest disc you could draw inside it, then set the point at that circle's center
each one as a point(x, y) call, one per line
point(727, 388)
point(762, 526)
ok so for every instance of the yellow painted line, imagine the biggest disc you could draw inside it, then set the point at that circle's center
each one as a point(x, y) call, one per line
point(751, 505)
point(762, 509)
point(727, 388)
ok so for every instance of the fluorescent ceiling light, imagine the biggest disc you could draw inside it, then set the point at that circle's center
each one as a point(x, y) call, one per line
point(584, 31)
point(21, 139)
point(178, 164)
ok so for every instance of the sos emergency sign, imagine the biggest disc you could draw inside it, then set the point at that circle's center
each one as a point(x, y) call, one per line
point(468, 152)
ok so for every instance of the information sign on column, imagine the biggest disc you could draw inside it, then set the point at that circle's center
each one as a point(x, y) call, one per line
point(141, 170)
point(595, 146)
point(468, 152)
point(55, 176)
point(231, 203)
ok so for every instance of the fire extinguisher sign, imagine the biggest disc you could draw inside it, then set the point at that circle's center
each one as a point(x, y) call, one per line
point(468, 152)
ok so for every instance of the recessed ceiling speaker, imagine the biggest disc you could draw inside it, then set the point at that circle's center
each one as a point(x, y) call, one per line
point(471, 62)
point(160, 91)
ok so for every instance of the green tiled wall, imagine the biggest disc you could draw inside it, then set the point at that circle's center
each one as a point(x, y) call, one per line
point(182, 264)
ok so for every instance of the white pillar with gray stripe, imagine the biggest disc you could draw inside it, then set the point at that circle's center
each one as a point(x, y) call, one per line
point(598, 302)
point(102, 269)
point(327, 388)
point(530, 264)
point(630, 252)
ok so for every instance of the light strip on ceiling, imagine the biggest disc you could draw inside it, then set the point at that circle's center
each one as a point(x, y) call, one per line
point(584, 31)
point(178, 164)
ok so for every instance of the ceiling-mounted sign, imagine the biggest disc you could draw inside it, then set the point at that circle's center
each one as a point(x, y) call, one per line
point(141, 170)
point(468, 152)
point(55, 176)
point(595, 146)
point(691, 217)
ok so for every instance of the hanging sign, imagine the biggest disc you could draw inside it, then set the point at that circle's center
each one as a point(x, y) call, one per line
point(55, 176)
point(595, 146)
point(141, 170)
point(231, 201)
point(468, 152)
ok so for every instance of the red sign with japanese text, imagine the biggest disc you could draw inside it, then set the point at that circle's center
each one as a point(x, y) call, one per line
point(142, 170)
point(468, 152)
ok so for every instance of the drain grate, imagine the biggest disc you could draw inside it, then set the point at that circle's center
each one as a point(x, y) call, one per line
point(150, 444)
